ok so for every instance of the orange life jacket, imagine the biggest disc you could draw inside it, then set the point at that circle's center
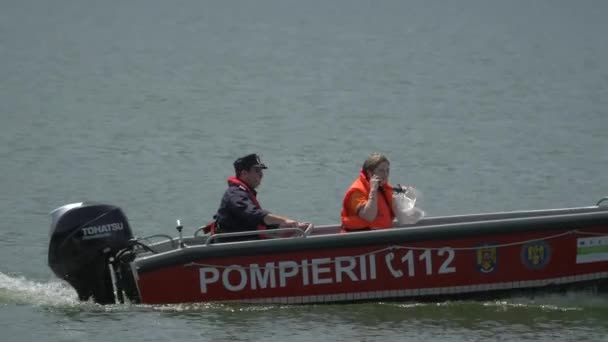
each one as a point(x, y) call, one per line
point(384, 217)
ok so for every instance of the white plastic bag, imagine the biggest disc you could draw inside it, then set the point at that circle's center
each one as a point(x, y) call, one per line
point(405, 205)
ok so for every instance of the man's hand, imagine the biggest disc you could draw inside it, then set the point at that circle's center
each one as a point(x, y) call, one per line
point(303, 225)
point(294, 224)
point(289, 224)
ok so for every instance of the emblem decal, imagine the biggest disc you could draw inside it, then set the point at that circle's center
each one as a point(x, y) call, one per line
point(486, 258)
point(535, 255)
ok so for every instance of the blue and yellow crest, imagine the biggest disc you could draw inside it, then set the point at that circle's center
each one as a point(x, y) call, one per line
point(486, 258)
point(535, 255)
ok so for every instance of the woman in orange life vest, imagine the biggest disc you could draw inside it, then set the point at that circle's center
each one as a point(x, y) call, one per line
point(368, 203)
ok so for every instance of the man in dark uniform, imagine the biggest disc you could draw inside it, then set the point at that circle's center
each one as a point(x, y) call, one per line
point(240, 210)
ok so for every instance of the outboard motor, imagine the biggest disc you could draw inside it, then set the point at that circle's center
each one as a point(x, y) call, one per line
point(84, 238)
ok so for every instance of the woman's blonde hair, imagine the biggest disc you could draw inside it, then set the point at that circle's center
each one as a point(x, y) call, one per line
point(374, 159)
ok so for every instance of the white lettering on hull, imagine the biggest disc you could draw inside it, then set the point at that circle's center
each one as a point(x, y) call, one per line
point(226, 278)
point(281, 274)
point(261, 277)
point(322, 271)
point(345, 269)
point(287, 269)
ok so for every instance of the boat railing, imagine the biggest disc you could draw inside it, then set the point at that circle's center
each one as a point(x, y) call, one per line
point(168, 237)
point(198, 230)
point(297, 232)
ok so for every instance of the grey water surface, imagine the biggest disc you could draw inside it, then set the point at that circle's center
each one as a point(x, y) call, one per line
point(482, 105)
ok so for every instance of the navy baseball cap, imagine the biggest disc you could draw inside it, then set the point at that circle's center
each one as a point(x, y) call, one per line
point(247, 162)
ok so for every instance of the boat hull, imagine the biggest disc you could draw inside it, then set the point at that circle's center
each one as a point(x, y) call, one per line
point(458, 258)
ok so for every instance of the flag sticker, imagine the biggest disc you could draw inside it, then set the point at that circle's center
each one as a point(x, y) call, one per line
point(592, 249)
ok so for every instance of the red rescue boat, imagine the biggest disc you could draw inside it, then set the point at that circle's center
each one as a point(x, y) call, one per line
point(482, 256)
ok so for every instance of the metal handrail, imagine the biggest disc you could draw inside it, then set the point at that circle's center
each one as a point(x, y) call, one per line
point(298, 231)
point(198, 230)
point(168, 237)
point(309, 229)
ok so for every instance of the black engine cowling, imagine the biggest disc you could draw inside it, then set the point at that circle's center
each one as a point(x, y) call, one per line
point(83, 239)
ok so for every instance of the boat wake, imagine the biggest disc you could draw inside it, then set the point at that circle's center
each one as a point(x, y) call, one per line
point(551, 302)
point(58, 294)
point(569, 301)
point(19, 290)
